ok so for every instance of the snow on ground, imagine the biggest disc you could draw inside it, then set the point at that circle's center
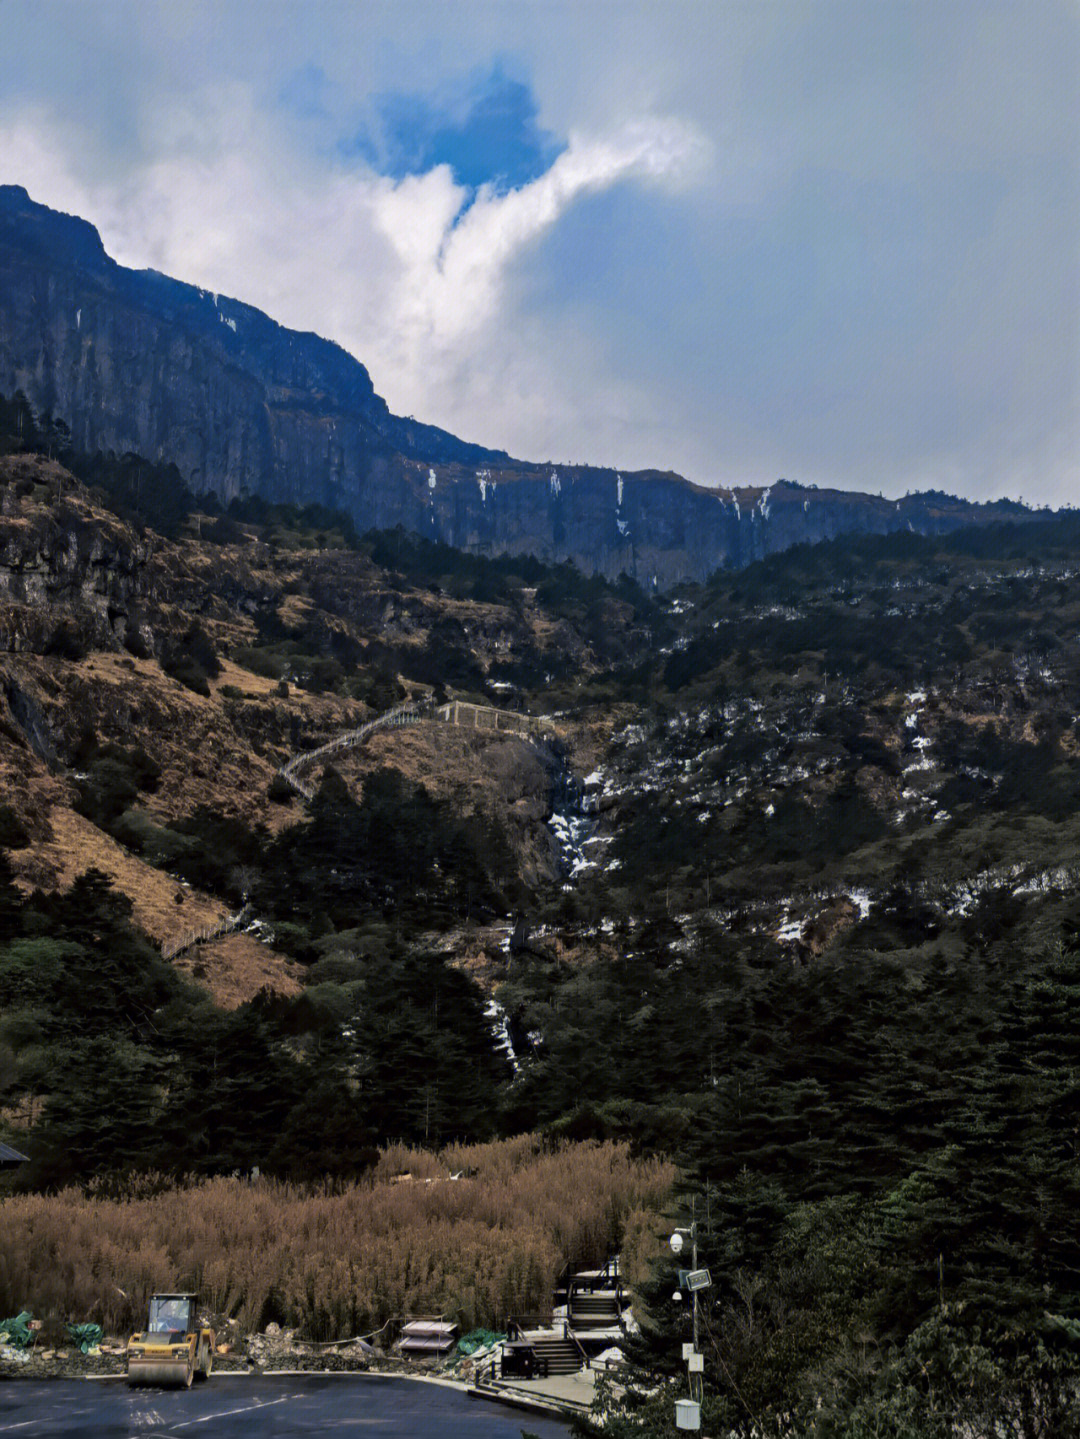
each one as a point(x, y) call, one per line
point(790, 930)
point(500, 1027)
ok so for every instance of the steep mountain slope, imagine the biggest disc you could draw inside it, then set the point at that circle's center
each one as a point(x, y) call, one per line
point(145, 681)
point(135, 361)
point(791, 892)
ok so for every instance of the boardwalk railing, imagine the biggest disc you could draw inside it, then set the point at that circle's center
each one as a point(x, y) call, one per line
point(490, 719)
point(172, 947)
point(485, 718)
point(409, 713)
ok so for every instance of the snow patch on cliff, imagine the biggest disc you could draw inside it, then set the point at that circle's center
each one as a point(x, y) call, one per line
point(500, 1028)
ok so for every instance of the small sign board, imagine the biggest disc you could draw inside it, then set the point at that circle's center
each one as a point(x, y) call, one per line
point(698, 1279)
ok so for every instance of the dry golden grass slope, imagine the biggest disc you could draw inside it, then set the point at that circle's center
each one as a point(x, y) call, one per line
point(202, 763)
point(235, 967)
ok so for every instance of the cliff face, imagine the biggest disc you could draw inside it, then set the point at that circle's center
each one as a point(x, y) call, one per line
point(69, 578)
point(133, 360)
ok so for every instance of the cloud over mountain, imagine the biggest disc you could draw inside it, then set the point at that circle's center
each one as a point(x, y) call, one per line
point(833, 243)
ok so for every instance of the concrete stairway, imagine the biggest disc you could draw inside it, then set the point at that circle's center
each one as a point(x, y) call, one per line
point(590, 1309)
point(555, 1354)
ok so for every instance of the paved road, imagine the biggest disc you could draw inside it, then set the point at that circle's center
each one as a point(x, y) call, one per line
point(269, 1408)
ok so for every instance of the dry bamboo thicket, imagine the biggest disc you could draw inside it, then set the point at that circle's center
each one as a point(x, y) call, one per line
point(340, 1262)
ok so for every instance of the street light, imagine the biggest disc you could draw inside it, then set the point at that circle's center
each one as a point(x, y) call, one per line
point(688, 1411)
point(678, 1243)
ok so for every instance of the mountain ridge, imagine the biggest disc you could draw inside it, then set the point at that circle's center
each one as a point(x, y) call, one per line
point(137, 361)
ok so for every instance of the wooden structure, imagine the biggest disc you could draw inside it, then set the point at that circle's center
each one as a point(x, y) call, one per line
point(11, 1158)
point(429, 1337)
point(486, 717)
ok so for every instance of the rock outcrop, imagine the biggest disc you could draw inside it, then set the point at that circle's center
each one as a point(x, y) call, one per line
point(135, 361)
point(70, 579)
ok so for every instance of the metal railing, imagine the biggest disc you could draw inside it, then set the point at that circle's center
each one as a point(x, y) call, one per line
point(410, 713)
point(173, 947)
point(485, 718)
point(519, 1325)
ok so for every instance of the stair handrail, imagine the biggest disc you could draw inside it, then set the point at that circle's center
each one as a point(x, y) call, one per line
point(577, 1344)
point(484, 1372)
point(520, 1323)
point(172, 948)
point(408, 712)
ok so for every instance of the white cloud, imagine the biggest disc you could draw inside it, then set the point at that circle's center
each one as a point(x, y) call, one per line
point(866, 280)
point(413, 276)
point(455, 255)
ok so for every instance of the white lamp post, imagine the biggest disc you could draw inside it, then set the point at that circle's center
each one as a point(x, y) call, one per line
point(678, 1243)
point(688, 1411)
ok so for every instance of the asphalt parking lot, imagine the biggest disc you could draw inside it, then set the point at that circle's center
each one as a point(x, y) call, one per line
point(271, 1407)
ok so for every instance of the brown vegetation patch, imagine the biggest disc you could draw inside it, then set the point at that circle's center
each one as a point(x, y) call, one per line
point(588, 735)
point(453, 762)
point(820, 930)
point(342, 1261)
point(236, 967)
point(77, 845)
point(217, 752)
point(480, 952)
point(496, 775)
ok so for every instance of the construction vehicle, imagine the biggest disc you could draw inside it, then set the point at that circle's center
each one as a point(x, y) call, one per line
point(175, 1349)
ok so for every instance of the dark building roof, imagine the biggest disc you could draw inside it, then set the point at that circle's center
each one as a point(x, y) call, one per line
point(11, 1156)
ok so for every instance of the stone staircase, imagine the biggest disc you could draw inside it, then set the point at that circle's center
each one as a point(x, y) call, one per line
point(592, 1309)
point(555, 1355)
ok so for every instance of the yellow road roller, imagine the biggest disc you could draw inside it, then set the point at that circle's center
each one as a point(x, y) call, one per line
point(174, 1350)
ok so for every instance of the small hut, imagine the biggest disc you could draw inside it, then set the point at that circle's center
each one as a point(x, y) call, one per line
point(433, 1338)
point(10, 1158)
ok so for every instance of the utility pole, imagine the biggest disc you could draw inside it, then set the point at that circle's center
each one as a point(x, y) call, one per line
point(688, 1411)
point(693, 1261)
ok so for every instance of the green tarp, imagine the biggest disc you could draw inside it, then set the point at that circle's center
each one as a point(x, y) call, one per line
point(477, 1339)
point(86, 1336)
point(17, 1331)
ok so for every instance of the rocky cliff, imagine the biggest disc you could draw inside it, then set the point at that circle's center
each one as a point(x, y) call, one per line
point(70, 578)
point(133, 360)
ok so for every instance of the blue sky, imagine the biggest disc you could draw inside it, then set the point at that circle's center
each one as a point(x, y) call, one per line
point(488, 133)
point(834, 240)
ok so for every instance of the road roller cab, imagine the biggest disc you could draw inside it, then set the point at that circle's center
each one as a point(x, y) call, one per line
point(174, 1349)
